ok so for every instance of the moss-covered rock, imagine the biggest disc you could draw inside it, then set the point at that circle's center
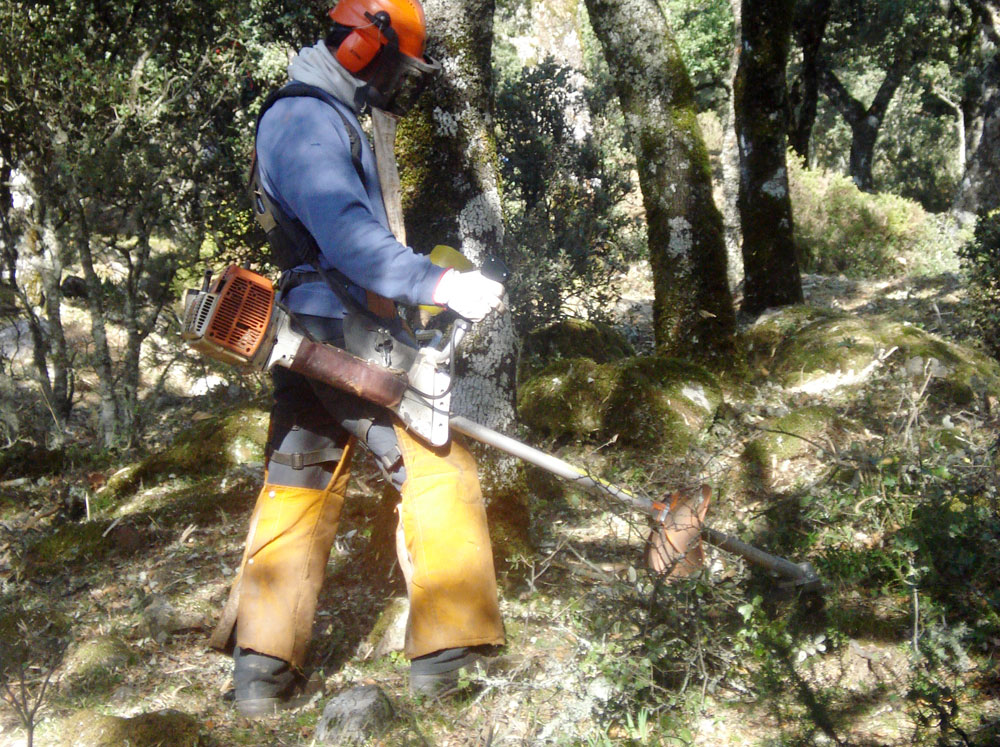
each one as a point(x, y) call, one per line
point(655, 403)
point(571, 338)
point(790, 435)
point(804, 431)
point(96, 658)
point(388, 634)
point(568, 397)
point(662, 401)
point(235, 436)
point(167, 728)
point(69, 546)
point(773, 328)
point(813, 350)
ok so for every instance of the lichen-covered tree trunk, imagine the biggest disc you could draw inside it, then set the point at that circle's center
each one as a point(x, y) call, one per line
point(770, 266)
point(447, 158)
point(979, 191)
point(35, 262)
point(692, 307)
point(731, 164)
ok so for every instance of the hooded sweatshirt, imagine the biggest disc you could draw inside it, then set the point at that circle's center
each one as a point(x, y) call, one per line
point(304, 158)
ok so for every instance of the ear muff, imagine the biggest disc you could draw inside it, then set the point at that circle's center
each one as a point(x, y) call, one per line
point(357, 51)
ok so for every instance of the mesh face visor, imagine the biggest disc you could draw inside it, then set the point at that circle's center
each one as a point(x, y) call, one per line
point(399, 80)
point(412, 78)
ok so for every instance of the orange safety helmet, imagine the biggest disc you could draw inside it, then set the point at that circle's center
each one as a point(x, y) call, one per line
point(384, 47)
point(371, 19)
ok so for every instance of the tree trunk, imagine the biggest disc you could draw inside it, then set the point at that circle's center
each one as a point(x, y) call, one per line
point(109, 410)
point(50, 351)
point(692, 307)
point(865, 123)
point(961, 156)
point(979, 190)
point(770, 265)
point(59, 357)
point(810, 27)
point(731, 164)
point(451, 193)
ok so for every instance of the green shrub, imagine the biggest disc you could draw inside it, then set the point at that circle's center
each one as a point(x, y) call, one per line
point(980, 259)
point(840, 229)
point(565, 193)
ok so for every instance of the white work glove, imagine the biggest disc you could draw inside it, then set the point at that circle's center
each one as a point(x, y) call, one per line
point(468, 294)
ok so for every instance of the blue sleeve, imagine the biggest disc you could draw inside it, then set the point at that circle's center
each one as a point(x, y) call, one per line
point(304, 156)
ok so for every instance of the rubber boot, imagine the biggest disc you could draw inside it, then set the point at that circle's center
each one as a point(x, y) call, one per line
point(438, 674)
point(266, 684)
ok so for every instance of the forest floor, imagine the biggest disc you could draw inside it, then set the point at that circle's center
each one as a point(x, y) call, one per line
point(895, 510)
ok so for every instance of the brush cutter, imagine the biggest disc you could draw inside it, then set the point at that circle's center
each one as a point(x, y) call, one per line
point(237, 320)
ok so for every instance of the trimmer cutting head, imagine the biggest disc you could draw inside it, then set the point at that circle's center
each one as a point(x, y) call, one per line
point(674, 546)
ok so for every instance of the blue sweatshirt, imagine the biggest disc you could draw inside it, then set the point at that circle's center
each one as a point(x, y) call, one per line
point(304, 158)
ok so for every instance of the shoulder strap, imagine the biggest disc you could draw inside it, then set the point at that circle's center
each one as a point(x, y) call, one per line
point(296, 89)
point(291, 243)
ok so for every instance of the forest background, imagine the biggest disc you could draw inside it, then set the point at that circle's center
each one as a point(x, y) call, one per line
point(719, 197)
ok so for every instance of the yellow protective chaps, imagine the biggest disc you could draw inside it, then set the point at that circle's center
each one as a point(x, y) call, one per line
point(273, 599)
point(452, 584)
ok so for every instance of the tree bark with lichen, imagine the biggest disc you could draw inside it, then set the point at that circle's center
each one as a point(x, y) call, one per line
point(692, 306)
point(451, 195)
point(770, 265)
point(979, 191)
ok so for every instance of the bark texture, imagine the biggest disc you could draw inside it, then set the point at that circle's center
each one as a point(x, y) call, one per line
point(692, 307)
point(451, 195)
point(731, 164)
point(979, 191)
point(770, 265)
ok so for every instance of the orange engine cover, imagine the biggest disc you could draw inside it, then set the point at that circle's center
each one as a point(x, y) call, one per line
point(232, 319)
point(243, 313)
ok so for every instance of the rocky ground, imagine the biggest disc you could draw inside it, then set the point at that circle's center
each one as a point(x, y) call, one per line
point(854, 434)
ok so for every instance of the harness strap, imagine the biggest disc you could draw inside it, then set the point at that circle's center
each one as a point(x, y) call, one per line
point(290, 241)
point(303, 459)
point(297, 89)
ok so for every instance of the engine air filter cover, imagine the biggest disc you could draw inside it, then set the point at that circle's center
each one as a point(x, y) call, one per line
point(230, 322)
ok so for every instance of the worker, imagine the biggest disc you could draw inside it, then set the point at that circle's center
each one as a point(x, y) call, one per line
point(317, 171)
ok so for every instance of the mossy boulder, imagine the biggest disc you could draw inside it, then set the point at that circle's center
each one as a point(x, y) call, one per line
point(235, 436)
point(661, 400)
point(168, 728)
point(773, 328)
point(797, 432)
point(568, 397)
point(655, 403)
point(70, 546)
point(571, 338)
point(816, 350)
point(805, 431)
point(96, 658)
